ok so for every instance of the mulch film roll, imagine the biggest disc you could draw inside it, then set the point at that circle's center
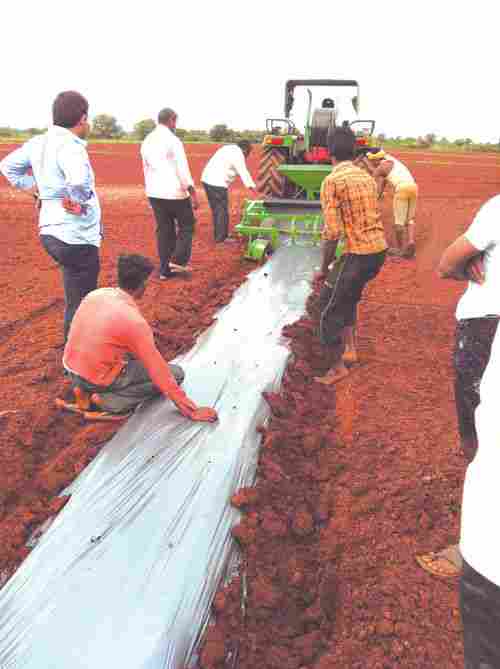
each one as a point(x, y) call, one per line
point(125, 575)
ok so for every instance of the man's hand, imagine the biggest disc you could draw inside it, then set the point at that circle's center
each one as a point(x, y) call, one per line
point(474, 270)
point(204, 415)
point(319, 276)
point(199, 414)
point(73, 207)
point(194, 198)
point(36, 196)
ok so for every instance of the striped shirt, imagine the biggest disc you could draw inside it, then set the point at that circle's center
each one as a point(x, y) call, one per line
point(350, 210)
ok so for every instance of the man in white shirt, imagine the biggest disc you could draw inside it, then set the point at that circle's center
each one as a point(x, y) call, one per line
point(63, 183)
point(219, 173)
point(387, 169)
point(171, 193)
point(474, 256)
point(480, 539)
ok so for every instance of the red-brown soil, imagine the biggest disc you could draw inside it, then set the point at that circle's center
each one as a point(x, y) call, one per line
point(353, 480)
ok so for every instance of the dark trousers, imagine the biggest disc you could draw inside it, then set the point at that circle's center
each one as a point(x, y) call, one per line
point(341, 293)
point(80, 266)
point(473, 341)
point(174, 231)
point(131, 387)
point(219, 204)
point(480, 608)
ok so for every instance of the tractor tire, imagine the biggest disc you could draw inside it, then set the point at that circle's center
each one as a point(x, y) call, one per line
point(269, 181)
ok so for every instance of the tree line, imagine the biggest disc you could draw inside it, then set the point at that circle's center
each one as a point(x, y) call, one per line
point(106, 127)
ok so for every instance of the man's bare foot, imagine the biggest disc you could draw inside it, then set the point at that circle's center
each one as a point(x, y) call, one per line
point(333, 376)
point(350, 358)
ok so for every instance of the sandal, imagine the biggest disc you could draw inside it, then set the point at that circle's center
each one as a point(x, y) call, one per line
point(90, 414)
point(447, 563)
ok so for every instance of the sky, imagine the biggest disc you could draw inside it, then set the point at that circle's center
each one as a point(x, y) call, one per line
point(423, 67)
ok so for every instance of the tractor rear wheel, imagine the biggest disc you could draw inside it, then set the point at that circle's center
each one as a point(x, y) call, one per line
point(269, 181)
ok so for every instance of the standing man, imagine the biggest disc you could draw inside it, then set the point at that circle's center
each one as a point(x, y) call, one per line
point(350, 210)
point(479, 544)
point(474, 256)
point(387, 169)
point(219, 173)
point(111, 356)
point(63, 182)
point(171, 193)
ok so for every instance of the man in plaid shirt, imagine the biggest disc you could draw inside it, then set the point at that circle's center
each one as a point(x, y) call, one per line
point(351, 214)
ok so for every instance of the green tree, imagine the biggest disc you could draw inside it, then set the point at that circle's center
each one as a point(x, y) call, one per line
point(106, 127)
point(221, 133)
point(35, 131)
point(144, 127)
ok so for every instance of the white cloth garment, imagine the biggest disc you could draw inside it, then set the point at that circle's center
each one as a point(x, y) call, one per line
point(480, 539)
point(224, 166)
point(166, 169)
point(484, 234)
point(61, 168)
point(399, 173)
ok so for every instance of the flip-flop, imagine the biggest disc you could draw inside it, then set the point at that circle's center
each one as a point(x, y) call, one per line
point(185, 269)
point(443, 564)
point(90, 415)
point(332, 380)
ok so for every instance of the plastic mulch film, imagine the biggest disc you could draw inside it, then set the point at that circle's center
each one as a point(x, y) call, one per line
point(125, 575)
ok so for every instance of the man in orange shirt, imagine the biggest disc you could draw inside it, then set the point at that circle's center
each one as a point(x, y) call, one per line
point(111, 356)
point(351, 215)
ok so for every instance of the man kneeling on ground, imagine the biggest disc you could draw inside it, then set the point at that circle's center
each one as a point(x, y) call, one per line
point(111, 356)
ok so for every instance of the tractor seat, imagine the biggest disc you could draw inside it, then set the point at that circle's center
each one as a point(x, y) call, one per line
point(322, 121)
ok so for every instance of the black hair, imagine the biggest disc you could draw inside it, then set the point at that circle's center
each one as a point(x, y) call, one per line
point(133, 271)
point(342, 143)
point(245, 145)
point(328, 103)
point(165, 115)
point(68, 108)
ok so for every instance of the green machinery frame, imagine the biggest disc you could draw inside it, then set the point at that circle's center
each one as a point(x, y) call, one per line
point(301, 221)
point(263, 229)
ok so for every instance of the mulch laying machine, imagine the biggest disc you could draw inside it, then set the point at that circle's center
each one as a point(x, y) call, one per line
point(292, 167)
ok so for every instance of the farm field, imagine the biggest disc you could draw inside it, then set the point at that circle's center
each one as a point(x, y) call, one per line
point(353, 480)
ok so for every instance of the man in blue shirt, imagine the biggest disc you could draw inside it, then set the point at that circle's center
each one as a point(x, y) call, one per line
point(55, 167)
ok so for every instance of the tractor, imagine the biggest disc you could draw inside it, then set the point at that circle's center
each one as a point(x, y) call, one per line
point(293, 165)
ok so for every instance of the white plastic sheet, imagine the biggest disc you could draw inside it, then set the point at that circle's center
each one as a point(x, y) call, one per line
point(125, 575)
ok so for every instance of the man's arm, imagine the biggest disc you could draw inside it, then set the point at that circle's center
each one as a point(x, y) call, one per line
point(380, 175)
point(331, 230)
point(461, 261)
point(241, 167)
point(73, 161)
point(141, 343)
point(184, 173)
point(15, 168)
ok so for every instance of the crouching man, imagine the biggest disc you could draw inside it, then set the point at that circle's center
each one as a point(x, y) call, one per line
point(111, 356)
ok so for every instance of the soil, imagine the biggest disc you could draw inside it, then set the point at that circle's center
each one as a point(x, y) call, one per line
point(354, 480)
